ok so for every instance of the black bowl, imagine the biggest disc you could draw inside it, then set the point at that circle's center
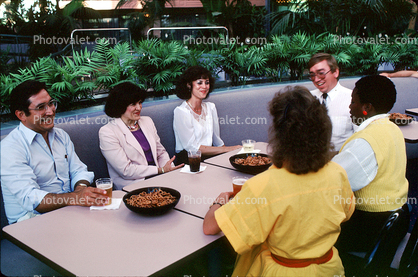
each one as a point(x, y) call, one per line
point(154, 210)
point(250, 169)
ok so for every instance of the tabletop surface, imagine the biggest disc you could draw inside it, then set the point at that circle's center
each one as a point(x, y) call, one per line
point(198, 191)
point(223, 159)
point(119, 242)
point(413, 111)
point(410, 132)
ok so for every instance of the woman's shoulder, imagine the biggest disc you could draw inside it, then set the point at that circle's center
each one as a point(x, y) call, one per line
point(111, 125)
point(210, 105)
point(183, 107)
point(146, 120)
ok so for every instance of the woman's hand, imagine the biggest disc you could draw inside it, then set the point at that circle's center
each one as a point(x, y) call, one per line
point(210, 226)
point(167, 167)
point(224, 197)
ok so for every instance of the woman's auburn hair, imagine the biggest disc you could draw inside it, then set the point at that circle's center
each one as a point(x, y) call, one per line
point(300, 134)
point(191, 74)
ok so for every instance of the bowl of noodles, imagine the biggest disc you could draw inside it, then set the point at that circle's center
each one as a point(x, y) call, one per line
point(251, 163)
point(151, 200)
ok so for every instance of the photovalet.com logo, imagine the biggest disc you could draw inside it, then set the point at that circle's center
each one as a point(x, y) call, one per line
point(39, 39)
point(374, 40)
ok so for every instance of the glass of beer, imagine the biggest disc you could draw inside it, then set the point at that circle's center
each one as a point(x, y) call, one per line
point(194, 160)
point(237, 183)
point(107, 185)
point(248, 145)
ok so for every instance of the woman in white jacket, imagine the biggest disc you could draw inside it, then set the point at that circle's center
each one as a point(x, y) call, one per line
point(130, 142)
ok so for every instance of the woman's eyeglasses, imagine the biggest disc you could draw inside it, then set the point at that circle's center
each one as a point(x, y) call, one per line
point(44, 106)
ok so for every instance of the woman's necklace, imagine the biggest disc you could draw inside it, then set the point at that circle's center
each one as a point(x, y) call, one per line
point(132, 127)
point(196, 111)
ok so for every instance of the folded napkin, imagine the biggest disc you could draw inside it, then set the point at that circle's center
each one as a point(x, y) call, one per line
point(114, 206)
point(245, 152)
point(186, 169)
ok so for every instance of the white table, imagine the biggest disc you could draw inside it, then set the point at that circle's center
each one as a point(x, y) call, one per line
point(223, 159)
point(198, 191)
point(412, 111)
point(410, 132)
point(81, 242)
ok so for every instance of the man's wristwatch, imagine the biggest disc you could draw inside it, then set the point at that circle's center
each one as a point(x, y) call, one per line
point(82, 184)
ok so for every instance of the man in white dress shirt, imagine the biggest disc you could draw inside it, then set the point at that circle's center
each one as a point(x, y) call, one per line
point(324, 72)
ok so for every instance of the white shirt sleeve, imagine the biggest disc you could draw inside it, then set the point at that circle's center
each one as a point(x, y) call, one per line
point(359, 161)
point(217, 141)
point(184, 130)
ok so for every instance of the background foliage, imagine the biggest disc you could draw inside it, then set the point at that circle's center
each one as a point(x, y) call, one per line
point(155, 64)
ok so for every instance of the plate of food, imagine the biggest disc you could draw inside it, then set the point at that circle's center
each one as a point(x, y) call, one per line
point(151, 200)
point(400, 119)
point(251, 163)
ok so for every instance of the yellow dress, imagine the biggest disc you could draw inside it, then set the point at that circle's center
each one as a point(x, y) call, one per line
point(292, 216)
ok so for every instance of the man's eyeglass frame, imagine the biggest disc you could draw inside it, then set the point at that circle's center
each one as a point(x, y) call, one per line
point(321, 75)
point(52, 104)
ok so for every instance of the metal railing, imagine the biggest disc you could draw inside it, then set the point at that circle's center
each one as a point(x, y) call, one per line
point(189, 28)
point(100, 29)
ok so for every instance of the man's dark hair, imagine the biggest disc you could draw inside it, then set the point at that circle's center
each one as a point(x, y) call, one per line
point(19, 98)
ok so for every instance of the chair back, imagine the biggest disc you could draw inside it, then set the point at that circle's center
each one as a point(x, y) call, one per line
point(409, 259)
point(380, 257)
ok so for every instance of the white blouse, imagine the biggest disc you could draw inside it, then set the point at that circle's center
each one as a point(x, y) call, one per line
point(193, 130)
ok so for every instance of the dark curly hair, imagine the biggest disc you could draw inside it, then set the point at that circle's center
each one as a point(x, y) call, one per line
point(121, 96)
point(300, 134)
point(191, 74)
point(377, 90)
point(19, 98)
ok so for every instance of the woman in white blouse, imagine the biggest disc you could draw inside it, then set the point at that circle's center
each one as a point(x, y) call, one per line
point(196, 123)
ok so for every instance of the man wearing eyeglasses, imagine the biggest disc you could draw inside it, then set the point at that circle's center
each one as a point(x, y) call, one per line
point(324, 72)
point(40, 170)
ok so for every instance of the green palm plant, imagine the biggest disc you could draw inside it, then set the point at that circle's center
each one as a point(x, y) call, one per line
point(68, 79)
point(7, 83)
point(160, 64)
point(114, 65)
point(39, 70)
point(369, 58)
point(404, 55)
point(277, 54)
point(239, 62)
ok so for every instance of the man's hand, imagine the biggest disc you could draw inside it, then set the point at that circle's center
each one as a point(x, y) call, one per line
point(82, 196)
point(90, 196)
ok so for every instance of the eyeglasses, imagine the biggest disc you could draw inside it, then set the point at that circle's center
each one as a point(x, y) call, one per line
point(44, 106)
point(321, 75)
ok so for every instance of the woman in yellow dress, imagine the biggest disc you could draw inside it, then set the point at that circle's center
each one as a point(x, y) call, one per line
point(285, 221)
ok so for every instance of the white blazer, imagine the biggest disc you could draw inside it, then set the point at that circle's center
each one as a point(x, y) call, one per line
point(124, 155)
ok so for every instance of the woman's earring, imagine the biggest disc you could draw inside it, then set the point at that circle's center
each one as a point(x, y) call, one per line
point(364, 112)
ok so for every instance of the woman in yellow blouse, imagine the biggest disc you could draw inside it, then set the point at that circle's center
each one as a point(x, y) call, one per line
point(285, 221)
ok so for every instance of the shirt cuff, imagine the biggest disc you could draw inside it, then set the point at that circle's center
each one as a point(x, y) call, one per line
point(88, 176)
point(37, 197)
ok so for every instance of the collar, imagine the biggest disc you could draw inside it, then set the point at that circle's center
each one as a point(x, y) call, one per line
point(333, 92)
point(370, 120)
point(30, 134)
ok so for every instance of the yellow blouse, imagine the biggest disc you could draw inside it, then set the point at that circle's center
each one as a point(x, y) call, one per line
point(292, 216)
